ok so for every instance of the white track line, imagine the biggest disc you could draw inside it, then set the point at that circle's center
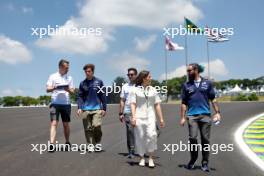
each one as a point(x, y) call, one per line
point(244, 147)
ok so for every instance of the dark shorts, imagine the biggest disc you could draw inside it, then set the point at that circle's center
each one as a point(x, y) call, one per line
point(60, 110)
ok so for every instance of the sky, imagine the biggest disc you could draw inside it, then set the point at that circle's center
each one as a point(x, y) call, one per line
point(131, 35)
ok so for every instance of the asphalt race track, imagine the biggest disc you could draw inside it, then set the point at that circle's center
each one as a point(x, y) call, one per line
point(21, 127)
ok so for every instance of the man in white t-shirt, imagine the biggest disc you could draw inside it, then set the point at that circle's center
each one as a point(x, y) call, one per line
point(60, 84)
point(125, 111)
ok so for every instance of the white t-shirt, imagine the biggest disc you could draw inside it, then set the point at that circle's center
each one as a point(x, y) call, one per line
point(197, 83)
point(60, 96)
point(126, 89)
point(145, 100)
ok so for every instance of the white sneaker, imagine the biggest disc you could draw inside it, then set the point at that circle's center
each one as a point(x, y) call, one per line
point(151, 163)
point(142, 162)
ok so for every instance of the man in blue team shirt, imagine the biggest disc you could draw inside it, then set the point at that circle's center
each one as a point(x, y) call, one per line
point(91, 105)
point(196, 94)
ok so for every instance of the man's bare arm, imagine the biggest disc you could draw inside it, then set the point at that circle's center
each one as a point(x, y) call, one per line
point(183, 114)
point(216, 108)
point(121, 105)
point(50, 89)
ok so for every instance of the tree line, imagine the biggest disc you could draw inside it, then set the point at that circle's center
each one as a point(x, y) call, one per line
point(173, 89)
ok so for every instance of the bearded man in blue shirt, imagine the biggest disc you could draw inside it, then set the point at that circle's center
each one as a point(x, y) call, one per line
point(197, 92)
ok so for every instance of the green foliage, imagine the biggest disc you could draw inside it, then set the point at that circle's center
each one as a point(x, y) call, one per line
point(157, 83)
point(240, 97)
point(74, 96)
point(119, 81)
point(44, 99)
point(11, 101)
point(25, 101)
point(243, 97)
point(244, 82)
point(253, 97)
point(115, 97)
point(174, 85)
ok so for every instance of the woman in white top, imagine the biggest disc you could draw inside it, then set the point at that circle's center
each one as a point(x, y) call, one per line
point(145, 101)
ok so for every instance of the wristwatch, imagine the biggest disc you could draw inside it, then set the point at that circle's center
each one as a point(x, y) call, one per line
point(121, 113)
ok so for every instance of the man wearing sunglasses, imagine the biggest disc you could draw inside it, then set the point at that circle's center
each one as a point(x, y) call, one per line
point(125, 111)
point(196, 95)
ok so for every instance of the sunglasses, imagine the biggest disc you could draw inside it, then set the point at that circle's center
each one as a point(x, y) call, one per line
point(189, 70)
point(130, 75)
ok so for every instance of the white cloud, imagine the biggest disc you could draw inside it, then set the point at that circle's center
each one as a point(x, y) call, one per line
point(126, 60)
point(11, 92)
point(19, 91)
point(13, 7)
point(178, 72)
point(12, 51)
point(27, 9)
point(72, 43)
point(217, 68)
point(138, 13)
point(6, 92)
point(110, 14)
point(143, 44)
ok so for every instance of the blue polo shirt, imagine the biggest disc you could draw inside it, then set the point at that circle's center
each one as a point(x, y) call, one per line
point(91, 96)
point(197, 98)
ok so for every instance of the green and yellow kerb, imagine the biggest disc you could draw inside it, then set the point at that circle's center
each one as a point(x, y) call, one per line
point(254, 137)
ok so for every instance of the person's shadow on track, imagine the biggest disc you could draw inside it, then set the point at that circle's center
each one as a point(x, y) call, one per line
point(195, 167)
point(135, 163)
point(145, 156)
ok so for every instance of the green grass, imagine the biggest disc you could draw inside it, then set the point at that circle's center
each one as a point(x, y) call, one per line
point(220, 99)
point(229, 98)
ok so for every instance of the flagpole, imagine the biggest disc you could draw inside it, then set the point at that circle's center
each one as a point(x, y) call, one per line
point(186, 55)
point(166, 66)
point(208, 57)
point(166, 69)
point(186, 49)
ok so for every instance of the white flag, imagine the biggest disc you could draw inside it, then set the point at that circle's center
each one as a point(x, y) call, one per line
point(212, 37)
point(169, 45)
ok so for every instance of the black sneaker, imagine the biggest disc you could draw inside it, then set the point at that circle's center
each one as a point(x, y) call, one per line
point(67, 146)
point(205, 167)
point(51, 148)
point(130, 155)
point(190, 166)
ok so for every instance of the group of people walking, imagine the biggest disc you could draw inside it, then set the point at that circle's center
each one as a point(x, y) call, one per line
point(139, 105)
